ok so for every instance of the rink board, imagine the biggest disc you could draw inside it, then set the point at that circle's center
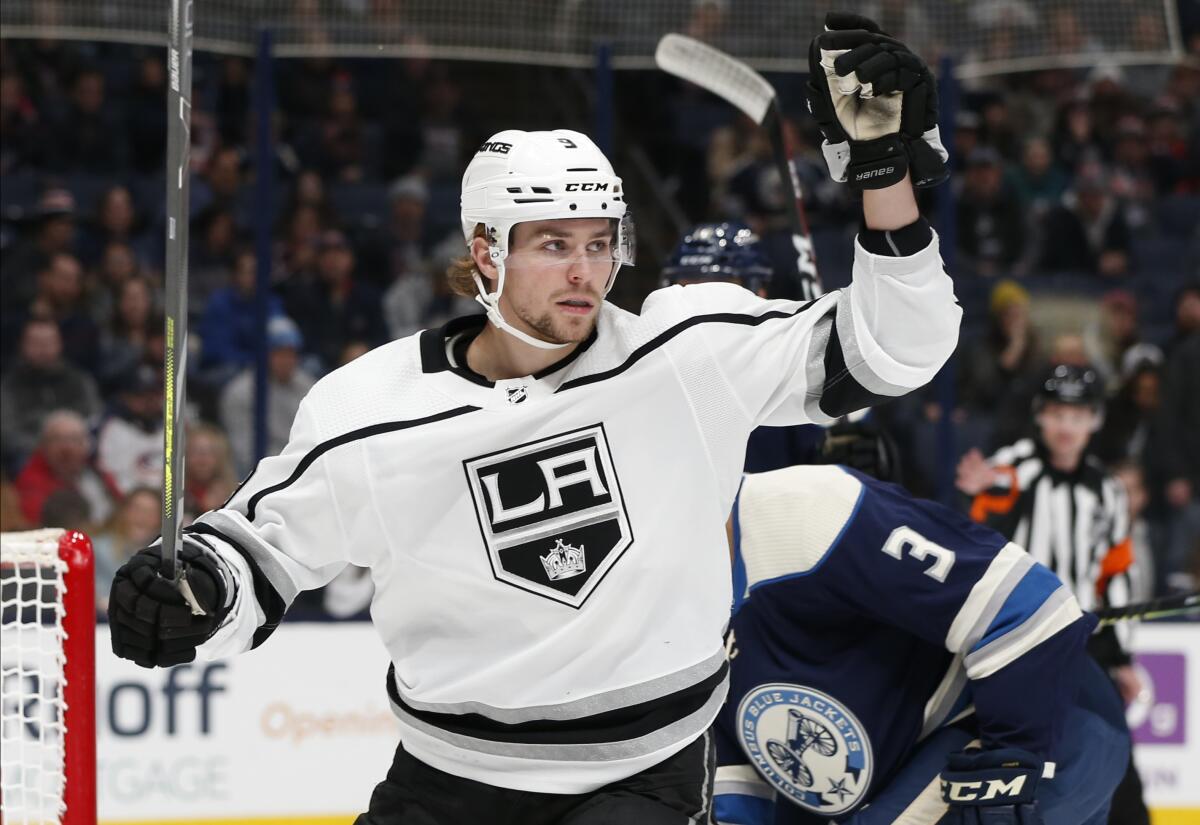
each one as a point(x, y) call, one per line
point(299, 730)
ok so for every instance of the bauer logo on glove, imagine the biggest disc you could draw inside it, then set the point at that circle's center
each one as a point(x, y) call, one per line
point(876, 104)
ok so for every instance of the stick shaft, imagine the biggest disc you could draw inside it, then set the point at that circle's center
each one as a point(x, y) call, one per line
point(1154, 609)
point(179, 115)
point(806, 260)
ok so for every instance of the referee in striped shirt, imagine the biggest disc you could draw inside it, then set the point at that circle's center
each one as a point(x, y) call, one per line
point(1048, 495)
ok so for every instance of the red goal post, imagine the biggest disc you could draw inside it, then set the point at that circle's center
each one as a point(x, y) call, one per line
point(47, 678)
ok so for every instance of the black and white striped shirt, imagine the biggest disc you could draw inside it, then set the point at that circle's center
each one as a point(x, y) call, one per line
point(1077, 524)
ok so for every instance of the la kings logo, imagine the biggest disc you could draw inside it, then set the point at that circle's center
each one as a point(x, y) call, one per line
point(551, 513)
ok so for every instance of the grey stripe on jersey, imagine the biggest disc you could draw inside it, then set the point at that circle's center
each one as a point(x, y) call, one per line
point(688, 728)
point(856, 361)
point(814, 371)
point(232, 524)
point(1019, 635)
point(589, 705)
point(999, 596)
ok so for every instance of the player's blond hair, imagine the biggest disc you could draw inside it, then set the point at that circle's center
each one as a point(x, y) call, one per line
point(462, 271)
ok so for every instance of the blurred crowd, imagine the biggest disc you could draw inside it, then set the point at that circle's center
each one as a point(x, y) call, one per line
point(1076, 206)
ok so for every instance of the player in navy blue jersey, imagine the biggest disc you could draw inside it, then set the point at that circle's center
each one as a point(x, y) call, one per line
point(893, 661)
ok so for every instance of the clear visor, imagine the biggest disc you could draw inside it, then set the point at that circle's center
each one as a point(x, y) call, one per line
point(598, 255)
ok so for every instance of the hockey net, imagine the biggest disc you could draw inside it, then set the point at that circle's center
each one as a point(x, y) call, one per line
point(772, 35)
point(47, 678)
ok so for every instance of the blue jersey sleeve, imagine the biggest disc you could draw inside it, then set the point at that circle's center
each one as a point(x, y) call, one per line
point(854, 547)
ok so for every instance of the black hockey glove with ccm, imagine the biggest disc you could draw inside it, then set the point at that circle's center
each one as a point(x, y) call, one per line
point(876, 104)
point(991, 787)
point(149, 620)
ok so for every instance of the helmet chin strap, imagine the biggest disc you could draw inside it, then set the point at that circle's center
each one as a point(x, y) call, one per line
point(491, 303)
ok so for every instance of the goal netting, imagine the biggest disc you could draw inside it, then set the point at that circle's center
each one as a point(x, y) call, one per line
point(47, 678)
point(983, 36)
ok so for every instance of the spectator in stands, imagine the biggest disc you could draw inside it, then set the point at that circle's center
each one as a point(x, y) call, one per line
point(53, 232)
point(1187, 316)
point(61, 461)
point(342, 149)
point(129, 443)
point(1089, 232)
point(1112, 335)
point(229, 328)
point(116, 221)
point(999, 373)
point(117, 265)
point(287, 386)
point(86, 137)
point(60, 297)
point(407, 251)
point(990, 225)
point(11, 517)
point(1131, 421)
point(232, 109)
point(352, 350)
point(209, 475)
point(135, 524)
point(23, 144)
point(1173, 161)
point(309, 191)
point(40, 382)
point(221, 183)
point(1132, 178)
point(124, 343)
point(1075, 141)
point(297, 254)
point(145, 127)
point(1038, 181)
point(67, 509)
point(335, 307)
point(1180, 412)
point(442, 126)
point(211, 254)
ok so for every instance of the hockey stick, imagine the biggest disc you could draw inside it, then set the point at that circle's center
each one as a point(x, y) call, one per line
point(1154, 609)
point(735, 82)
point(179, 127)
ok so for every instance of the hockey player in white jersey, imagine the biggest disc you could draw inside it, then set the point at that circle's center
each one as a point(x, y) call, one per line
point(540, 495)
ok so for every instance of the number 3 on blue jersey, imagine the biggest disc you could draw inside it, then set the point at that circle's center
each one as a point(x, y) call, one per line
point(920, 548)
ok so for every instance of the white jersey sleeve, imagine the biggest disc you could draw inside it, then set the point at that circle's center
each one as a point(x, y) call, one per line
point(788, 362)
point(282, 531)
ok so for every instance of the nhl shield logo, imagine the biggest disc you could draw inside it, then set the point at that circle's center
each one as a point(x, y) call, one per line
point(808, 745)
point(551, 513)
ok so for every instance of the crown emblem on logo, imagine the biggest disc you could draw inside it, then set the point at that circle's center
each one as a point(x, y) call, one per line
point(564, 561)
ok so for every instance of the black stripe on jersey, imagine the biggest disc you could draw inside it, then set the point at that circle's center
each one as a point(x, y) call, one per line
point(268, 597)
point(667, 334)
point(611, 726)
point(842, 394)
point(347, 438)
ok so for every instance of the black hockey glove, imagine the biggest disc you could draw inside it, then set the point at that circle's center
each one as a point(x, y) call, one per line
point(876, 104)
point(991, 787)
point(150, 622)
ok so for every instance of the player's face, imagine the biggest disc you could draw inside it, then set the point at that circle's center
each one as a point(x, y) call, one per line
point(555, 276)
point(1066, 428)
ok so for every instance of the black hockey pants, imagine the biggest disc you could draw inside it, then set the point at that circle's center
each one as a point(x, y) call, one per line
point(676, 791)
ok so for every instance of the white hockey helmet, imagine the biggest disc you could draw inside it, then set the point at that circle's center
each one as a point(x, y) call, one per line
point(519, 176)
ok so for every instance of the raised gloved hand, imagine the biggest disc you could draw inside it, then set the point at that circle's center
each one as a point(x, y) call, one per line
point(149, 620)
point(876, 104)
point(991, 787)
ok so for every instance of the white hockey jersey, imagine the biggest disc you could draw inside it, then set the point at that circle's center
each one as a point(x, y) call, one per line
point(548, 553)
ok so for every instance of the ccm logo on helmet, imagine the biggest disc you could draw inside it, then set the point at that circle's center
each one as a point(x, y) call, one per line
point(587, 187)
point(495, 146)
point(976, 792)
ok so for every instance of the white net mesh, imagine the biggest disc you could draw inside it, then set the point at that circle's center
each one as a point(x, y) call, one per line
point(985, 36)
point(32, 678)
